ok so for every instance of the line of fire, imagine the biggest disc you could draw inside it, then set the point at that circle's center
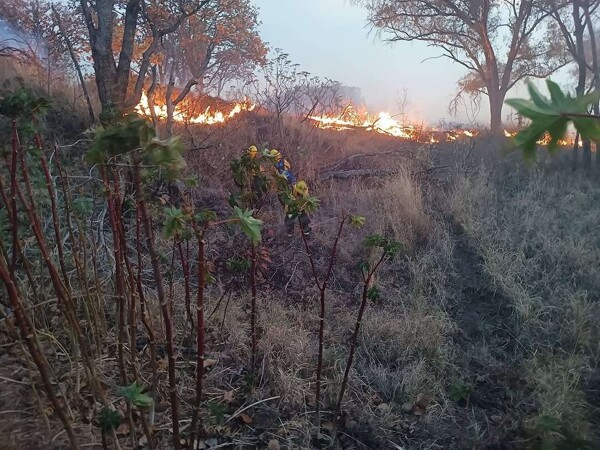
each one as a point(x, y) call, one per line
point(214, 111)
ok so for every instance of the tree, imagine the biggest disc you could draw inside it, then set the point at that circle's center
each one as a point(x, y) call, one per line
point(474, 33)
point(29, 35)
point(105, 18)
point(65, 35)
point(284, 89)
point(553, 116)
point(217, 44)
point(573, 19)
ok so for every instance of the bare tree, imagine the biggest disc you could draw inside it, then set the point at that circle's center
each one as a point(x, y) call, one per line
point(216, 45)
point(158, 18)
point(63, 34)
point(574, 22)
point(474, 33)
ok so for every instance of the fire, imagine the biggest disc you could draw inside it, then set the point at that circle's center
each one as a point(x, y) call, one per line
point(351, 119)
point(385, 123)
point(545, 140)
point(181, 115)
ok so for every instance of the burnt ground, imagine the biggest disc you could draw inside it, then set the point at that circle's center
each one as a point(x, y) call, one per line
point(490, 356)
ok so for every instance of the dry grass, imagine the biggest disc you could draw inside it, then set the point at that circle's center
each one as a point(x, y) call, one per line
point(509, 307)
point(536, 233)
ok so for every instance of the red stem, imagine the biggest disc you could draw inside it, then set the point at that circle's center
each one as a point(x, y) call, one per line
point(53, 207)
point(28, 335)
point(253, 313)
point(13, 193)
point(162, 298)
point(119, 279)
point(354, 340)
point(200, 338)
point(186, 277)
point(146, 319)
point(322, 289)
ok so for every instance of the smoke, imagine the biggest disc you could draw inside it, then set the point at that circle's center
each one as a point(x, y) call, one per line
point(19, 42)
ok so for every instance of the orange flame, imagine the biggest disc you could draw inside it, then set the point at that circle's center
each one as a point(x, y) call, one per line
point(208, 117)
point(385, 123)
point(545, 140)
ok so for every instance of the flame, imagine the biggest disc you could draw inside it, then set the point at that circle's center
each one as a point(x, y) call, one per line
point(385, 123)
point(545, 140)
point(351, 119)
point(208, 117)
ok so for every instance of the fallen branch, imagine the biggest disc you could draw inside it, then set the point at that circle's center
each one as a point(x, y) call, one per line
point(345, 174)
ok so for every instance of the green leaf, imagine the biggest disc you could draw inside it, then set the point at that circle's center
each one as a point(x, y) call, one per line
point(238, 264)
point(209, 278)
point(357, 221)
point(529, 109)
point(134, 393)
point(588, 128)
point(556, 94)
point(217, 411)
point(363, 266)
point(373, 293)
point(206, 215)
point(249, 225)
point(375, 240)
point(557, 132)
point(392, 248)
point(175, 221)
point(553, 117)
point(109, 419)
point(459, 391)
point(536, 97)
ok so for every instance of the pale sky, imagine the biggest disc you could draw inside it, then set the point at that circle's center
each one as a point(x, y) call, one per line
point(329, 38)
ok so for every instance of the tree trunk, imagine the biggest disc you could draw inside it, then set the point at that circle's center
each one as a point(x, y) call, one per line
point(579, 30)
point(575, 157)
point(595, 67)
point(169, 103)
point(496, 99)
point(84, 88)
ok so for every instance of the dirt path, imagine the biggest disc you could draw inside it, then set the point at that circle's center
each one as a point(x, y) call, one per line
point(490, 356)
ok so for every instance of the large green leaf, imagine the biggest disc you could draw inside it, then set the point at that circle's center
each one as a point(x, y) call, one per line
point(556, 94)
point(552, 116)
point(134, 393)
point(588, 128)
point(175, 221)
point(250, 225)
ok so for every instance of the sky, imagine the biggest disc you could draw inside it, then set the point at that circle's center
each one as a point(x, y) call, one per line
point(330, 38)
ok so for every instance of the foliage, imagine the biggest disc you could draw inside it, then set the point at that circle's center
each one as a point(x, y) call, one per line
point(238, 264)
point(474, 35)
point(217, 411)
point(373, 293)
point(134, 393)
point(552, 433)
point(249, 225)
point(251, 180)
point(132, 134)
point(553, 116)
point(217, 44)
point(459, 391)
point(357, 221)
point(175, 222)
point(109, 419)
point(23, 103)
point(389, 246)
